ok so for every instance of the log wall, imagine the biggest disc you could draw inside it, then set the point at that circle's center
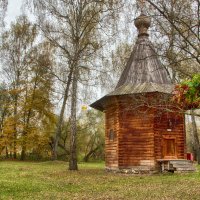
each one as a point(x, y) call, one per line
point(134, 135)
point(111, 134)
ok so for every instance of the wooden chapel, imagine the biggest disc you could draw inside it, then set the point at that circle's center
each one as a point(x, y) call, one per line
point(143, 131)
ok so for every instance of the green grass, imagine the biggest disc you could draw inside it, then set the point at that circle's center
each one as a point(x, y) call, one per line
point(52, 180)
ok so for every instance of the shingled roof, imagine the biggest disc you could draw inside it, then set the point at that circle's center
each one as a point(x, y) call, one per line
point(143, 66)
point(143, 72)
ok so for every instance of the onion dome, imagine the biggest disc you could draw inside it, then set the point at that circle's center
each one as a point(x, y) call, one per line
point(142, 23)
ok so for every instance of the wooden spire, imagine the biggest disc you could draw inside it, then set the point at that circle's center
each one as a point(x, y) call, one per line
point(143, 73)
point(143, 65)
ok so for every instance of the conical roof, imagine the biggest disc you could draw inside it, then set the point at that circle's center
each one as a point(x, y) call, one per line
point(143, 72)
point(143, 66)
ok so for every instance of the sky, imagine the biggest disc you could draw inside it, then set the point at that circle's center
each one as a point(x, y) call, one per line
point(14, 10)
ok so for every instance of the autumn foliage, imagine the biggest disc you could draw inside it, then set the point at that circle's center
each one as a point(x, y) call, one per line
point(187, 93)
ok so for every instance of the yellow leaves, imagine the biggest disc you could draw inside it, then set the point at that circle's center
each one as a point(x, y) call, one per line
point(15, 91)
point(23, 30)
point(29, 110)
point(7, 134)
point(84, 107)
point(8, 128)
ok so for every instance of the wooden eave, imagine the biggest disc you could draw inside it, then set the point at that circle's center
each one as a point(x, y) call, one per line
point(127, 90)
point(144, 87)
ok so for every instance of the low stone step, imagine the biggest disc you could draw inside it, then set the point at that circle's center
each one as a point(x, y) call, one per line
point(185, 169)
point(182, 165)
point(177, 165)
point(181, 162)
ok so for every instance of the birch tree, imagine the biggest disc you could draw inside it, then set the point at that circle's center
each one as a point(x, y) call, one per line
point(73, 27)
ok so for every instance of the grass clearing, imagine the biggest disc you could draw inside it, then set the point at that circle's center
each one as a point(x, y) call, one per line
point(52, 180)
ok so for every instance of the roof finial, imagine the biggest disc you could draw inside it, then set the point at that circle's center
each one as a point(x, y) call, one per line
point(142, 22)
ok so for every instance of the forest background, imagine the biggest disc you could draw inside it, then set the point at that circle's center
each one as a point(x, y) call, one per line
point(59, 56)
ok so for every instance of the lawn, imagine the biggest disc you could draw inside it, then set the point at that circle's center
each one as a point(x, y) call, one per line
point(52, 180)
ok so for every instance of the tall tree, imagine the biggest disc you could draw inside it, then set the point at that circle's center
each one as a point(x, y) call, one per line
point(37, 103)
point(73, 27)
point(27, 67)
point(16, 44)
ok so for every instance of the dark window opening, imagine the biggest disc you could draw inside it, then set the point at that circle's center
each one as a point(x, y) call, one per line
point(111, 135)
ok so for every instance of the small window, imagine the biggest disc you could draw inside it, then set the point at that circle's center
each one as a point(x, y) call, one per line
point(171, 123)
point(111, 135)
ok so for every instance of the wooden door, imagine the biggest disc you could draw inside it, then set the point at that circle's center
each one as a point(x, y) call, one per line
point(169, 148)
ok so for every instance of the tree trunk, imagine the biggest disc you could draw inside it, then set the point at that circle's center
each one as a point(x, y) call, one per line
point(15, 145)
point(15, 127)
point(60, 120)
point(196, 138)
point(73, 129)
point(23, 153)
point(7, 155)
point(16, 114)
point(11, 154)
